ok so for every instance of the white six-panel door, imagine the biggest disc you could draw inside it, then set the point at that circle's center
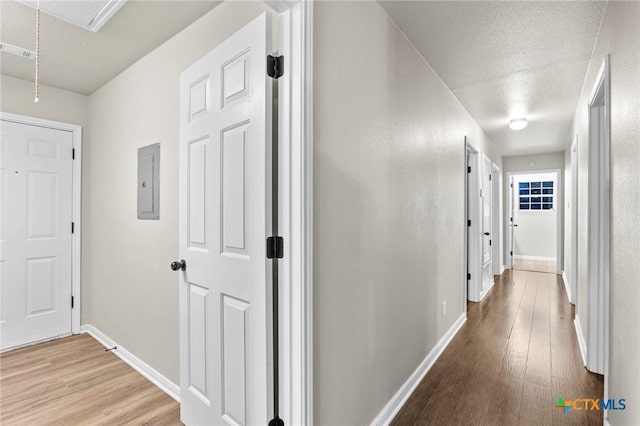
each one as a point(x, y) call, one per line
point(485, 202)
point(35, 233)
point(225, 217)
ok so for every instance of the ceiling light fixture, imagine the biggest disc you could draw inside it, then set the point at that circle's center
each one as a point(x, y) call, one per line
point(518, 123)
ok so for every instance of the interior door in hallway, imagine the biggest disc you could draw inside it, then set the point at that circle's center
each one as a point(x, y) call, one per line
point(225, 217)
point(485, 203)
point(35, 234)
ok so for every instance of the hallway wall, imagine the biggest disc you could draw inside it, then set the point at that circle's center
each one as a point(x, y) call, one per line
point(16, 97)
point(620, 38)
point(129, 291)
point(389, 219)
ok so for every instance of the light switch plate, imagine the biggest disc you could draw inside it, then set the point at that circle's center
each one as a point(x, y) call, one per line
point(149, 182)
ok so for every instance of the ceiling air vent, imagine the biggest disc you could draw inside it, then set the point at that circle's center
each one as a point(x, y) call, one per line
point(18, 51)
point(89, 14)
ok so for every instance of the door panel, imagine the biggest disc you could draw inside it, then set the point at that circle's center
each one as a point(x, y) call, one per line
point(225, 217)
point(35, 254)
point(485, 203)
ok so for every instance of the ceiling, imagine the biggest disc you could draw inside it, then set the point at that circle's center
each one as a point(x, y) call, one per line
point(75, 59)
point(508, 59)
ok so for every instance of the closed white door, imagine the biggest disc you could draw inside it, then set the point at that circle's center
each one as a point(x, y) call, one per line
point(225, 217)
point(485, 202)
point(35, 252)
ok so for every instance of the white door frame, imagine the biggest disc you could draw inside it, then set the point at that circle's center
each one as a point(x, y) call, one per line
point(559, 209)
point(496, 238)
point(573, 211)
point(508, 223)
point(295, 209)
point(472, 249)
point(598, 223)
point(76, 237)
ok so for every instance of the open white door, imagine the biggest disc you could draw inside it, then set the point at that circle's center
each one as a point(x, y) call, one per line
point(35, 234)
point(485, 203)
point(511, 227)
point(225, 217)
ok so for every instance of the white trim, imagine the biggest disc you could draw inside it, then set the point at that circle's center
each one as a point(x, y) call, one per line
point(567, 287)
point(394, 405)
point(598, 225)
point(76, 217)
point(473, 213)
point(558, 202)
point(581, 342)
point(573, 231)
point(502, 269)
point(484, 293)
point(496, 226)
point(524, 257)
point(295, 209)
point(150, 373)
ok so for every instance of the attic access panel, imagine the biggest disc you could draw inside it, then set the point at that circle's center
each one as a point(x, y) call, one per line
point(90, 15)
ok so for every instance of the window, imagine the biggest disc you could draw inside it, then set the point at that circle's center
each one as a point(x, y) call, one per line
point(536, 195)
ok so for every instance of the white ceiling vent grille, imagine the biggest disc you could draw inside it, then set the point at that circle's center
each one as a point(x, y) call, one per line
point(88, 14)
point(18, 51)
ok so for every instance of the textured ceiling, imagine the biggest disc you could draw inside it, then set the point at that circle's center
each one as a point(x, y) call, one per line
point(508, 59)
point(78, 60)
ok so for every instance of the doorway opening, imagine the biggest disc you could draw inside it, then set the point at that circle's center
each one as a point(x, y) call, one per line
point(534, 221)
point(480, 210)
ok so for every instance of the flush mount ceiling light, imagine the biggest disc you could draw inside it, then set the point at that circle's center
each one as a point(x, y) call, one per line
point(518, 123)
point(88, 14)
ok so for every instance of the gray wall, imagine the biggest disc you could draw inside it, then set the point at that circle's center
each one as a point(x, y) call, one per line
point(16, 96)
point(389, 219)
point(620, 38)
point(129, 292)
point(526, 163)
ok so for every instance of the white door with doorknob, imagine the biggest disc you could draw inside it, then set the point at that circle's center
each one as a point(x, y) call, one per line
point(225, 217)
point(35, 233)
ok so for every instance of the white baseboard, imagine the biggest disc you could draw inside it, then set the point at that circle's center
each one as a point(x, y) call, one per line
point(484, 293)
point(502, 269)
point(523, 257)
point(397, 401)
point(134, 362)
point(581, 341)
point(567, 287)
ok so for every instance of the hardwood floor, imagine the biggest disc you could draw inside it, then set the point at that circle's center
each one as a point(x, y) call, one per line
point(535, 265)
point(516, 354)
point(73, 381)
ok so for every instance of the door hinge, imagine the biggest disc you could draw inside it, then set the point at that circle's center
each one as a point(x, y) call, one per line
point(275, 247)
point(510, 253)
point(489, 177)
point(275, 66)
point(73, 227)
point(511, 185)
point(489, 242)
point(71, 302)
point(468, 276)
point(73, 154)
point(469, 222)
point(468, 169)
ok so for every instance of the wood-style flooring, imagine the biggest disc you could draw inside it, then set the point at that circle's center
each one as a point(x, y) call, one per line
point(515, 355)
point(73, 381)
point(535, 265)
